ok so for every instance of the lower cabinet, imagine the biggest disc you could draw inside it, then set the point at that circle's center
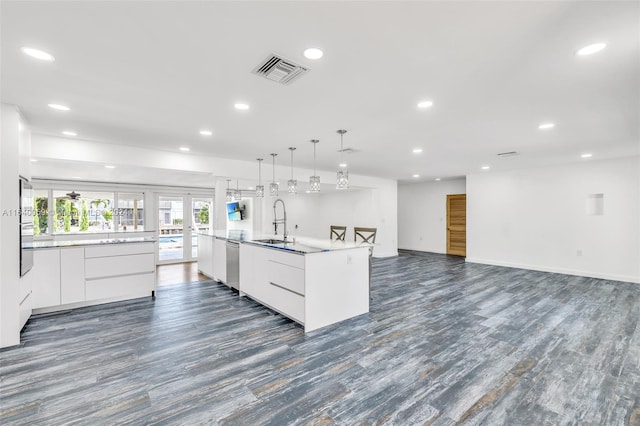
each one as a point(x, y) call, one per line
point(72, 275)
point(83, 276)
point(282, 287)
point(220, 259)
point(205, 254)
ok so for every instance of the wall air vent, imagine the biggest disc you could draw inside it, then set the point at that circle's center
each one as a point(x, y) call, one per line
point(280, 70)
point(508, 154)
point(347, 150)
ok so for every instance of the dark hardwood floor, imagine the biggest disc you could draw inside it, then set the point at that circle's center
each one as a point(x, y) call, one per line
point(445, 343)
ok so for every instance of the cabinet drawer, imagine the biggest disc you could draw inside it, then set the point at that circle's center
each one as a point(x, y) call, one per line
point(118, 249)
point(287, 303)
point(291, 259)
point(99, 267)
point(286, 276)
point(131, 286)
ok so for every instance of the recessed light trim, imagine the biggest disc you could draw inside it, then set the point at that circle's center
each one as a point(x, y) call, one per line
point(59, 107)
point(241, 106)
point(425, 104)
point(69, 133)
point(485, 167)
point(417, 150)
point(586, 155)
point(415, 175)
point(206, 132)
point(34, 160)
point(546, 126)
point(591, 49)
point(38, 54)
point(343, 165)
point(185, 149)
point(109, 167)
point(437, 179)
point(313, 53)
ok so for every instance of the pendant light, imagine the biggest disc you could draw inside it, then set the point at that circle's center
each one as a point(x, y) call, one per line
point(273, 186)
point(314, 181)
point(292, 183)
point(237, 195)
point(229, 192)
point(260, 186)
point(342, 181)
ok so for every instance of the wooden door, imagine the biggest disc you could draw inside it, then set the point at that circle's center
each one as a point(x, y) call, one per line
point(457, 224)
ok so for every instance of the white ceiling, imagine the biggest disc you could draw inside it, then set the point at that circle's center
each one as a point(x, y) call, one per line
point(154, 73)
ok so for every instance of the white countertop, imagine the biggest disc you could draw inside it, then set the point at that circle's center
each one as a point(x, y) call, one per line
point(42, 244)
point(302, 245)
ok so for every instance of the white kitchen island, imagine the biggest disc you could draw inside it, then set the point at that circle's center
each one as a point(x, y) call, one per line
point(313, 282)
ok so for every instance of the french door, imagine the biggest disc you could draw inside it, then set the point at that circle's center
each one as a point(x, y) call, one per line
point(180, 218)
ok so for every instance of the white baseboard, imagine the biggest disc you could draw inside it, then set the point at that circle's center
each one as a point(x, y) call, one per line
point(590, 274)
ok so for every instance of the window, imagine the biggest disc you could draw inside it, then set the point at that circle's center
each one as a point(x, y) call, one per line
point(88, 212)
point(41, 214)
point(130, 212)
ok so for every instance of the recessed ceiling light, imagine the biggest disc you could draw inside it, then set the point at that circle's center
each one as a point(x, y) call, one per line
point(206, 132)
point(38, 54)
point(110, 167)
point(417, 150)
point(587, 155)
point(69, 133)
point(425, 104)
point(416, 175)
point(241, 106)
point(251, 188)
point(34, 160)
point(59, 107)
point(307, 191)
point(313, 53)
point(485, 167)
point(591, 49)
point(77, 177)
point(545, 126)
point(438, 179)
point(343, 165)
point(185, 149)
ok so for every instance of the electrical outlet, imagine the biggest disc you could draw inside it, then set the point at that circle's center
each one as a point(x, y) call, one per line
point(349, 259)
point(579, 253)
point(420, 237)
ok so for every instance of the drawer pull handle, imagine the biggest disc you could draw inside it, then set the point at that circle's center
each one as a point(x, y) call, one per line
point(284, 288)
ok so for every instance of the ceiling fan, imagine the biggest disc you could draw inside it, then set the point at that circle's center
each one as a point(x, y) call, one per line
point(73, 195)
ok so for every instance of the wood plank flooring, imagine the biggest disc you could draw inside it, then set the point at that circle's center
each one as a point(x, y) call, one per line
point(178, 273)
point(445, 343)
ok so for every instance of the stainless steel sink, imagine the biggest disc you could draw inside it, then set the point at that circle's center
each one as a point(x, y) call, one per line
point(270, 241)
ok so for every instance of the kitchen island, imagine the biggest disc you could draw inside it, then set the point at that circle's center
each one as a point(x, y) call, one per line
point(314, 282)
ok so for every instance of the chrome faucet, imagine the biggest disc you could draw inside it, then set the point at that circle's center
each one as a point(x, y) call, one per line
point(277, 221)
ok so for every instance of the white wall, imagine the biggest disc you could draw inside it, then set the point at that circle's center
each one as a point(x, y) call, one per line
point(422, 214)
point(315, 213)
point(537, 219)
point(14, 143)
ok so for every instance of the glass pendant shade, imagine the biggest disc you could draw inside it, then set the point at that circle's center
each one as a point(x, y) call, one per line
point(260, 186)
point(342, 181)
point(342, 177)
point(273, 186)
point(314, 183)
point(292, 184)
point(273, 189)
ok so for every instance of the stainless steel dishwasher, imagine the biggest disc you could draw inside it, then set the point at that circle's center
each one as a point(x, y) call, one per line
point(233, 264)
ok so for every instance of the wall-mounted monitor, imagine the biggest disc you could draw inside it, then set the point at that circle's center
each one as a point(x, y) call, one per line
point(235, 211)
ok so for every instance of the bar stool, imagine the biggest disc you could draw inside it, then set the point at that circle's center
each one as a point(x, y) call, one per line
point(337, 233)
point(366, 235)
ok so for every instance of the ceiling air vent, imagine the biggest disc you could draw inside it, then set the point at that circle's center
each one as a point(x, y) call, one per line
point(508, 154)
point(280, 70)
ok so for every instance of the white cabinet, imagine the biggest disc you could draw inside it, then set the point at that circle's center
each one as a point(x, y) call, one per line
point(71, 275)
point(315, 289)
point(205, 254)
point(220, 259)
point(45, 278)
